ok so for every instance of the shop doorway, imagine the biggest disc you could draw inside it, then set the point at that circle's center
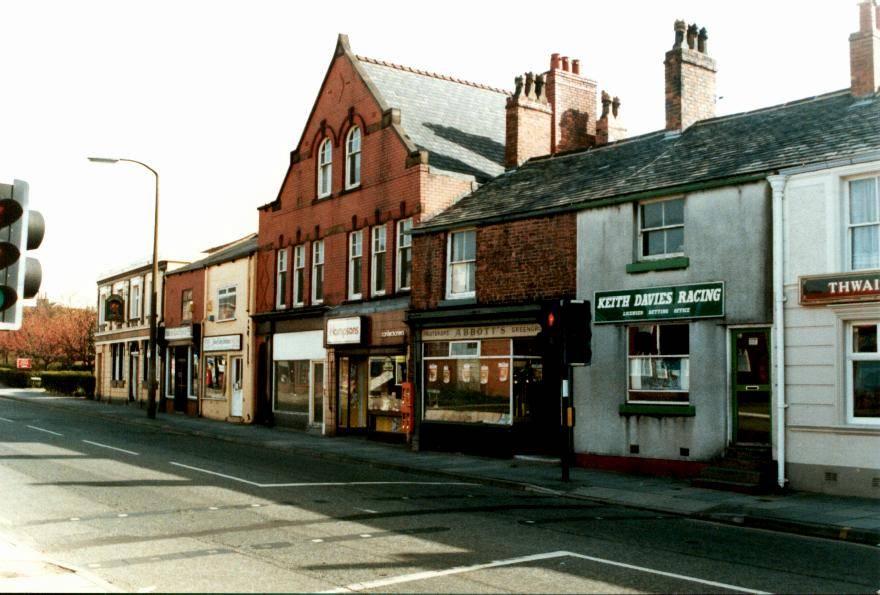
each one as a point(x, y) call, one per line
point(133, 376)
point(352, 383)
point(237, 406)
point(317, 396)
point(750, 373)
point(179, 376)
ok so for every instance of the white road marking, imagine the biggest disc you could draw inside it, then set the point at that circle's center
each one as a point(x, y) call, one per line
point(128, 452)
point(122, 515)
point(74, 518)
point(429, 574)
point(45, 430)
point(321, 483)
point(317, 541)
point(365, 535)
point(213, 508)
point(367, 510)
point(9, 420)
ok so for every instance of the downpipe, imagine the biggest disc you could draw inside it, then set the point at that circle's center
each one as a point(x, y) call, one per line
point(777, 184)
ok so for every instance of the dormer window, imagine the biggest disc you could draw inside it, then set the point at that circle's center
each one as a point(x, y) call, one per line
point(353, 159)
point(325, 168)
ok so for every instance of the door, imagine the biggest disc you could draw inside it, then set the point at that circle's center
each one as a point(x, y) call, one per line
point(535, 409)
point(751, 385)
point(133, 376)
point(99, 374)
point(352, 393)
point(237, 392)
point(318, 392)
point(179, 374)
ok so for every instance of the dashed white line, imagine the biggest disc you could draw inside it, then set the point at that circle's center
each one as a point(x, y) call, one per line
point(223, 475)
point(45, 430)
point(5, 419)
point(429, 574)
point(128, 452)
point(367, 510)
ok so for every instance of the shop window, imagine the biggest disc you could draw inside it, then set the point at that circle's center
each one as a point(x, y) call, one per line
point(863, 363)
point(659, 357)
point(386, 374)
point(194, 376)
point(863, 227)
point(325, 168)
point(215, 377)
point(462, 259)
point(377, 270)
point(186, 305)
point(661, 228)
point(355, 264)
point(318, 272)
point(281, 279)
point(353, 159)
point(404, 254)
point(292, 386)
point(226, 303)
point(299, 275)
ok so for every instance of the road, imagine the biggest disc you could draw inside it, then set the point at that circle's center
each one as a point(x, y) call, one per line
point(147, 510)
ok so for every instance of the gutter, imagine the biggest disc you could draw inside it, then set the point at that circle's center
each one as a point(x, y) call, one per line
point(777, 184)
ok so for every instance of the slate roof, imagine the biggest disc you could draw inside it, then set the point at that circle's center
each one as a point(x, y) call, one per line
point(814, 130)
point(234, 251)
point(460, 124)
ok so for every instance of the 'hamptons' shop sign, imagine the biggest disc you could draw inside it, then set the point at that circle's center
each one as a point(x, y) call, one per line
point(698, 300)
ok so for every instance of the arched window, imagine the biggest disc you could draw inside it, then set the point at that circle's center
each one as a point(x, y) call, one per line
point(325, 168)
point(353, 158)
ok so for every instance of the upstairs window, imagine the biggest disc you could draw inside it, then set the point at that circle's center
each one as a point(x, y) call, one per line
point(281, 279)
point(404, 254)
point(134, 299)
point(186, 305)
point(377, 270)
point(318, 272)
point(355, 264)
point(226, 303)
point(353, 158)
point(661, 228)
point(325, 168)
point(863, 228)
point(299, 275)
point(462, 268)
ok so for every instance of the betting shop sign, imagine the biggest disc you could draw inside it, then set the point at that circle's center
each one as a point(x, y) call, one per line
point(698, 300)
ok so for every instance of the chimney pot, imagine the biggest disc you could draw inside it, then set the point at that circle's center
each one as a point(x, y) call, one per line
point(554, 61)
point(680, 27)
point(576, 66)
point(702, 38)
point(565, 63)
point(692, 36)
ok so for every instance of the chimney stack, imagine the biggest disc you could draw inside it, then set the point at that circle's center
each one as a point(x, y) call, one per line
point(864, 51)
point(690, 78)
point(572, 98)
point(529, 121)
point(609, 127)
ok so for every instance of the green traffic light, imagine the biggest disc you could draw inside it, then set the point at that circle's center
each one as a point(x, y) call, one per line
point(8, 297)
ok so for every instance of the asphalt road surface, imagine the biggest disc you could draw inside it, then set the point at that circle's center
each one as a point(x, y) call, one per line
point(152, 511)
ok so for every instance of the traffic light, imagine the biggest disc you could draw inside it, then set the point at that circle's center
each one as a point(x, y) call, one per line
point(20, 230)
point(565, 331)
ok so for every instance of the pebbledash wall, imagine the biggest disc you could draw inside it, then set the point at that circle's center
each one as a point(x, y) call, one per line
point(727, 240)
point(832, 360)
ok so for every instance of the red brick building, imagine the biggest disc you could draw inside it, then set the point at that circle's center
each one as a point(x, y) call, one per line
point(384, 148)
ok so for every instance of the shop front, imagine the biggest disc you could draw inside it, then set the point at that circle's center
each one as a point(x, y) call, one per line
point(223, 376)
point(181, 369)
point(298, 378)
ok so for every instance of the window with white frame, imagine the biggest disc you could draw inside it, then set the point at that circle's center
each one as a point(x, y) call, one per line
point(863, 373)
point(299, 275)
point(863, 228)
point(318, 272)
point(134, 299)
point(148, 294)
point(353, 158)
point(377, 269)
point(462, 264)
point(226, 303)
point(659, 363)
point(186, 305)
point(355, 264)
point(404, 254)
point(661, 228)
point(281, 279)
point(117, 356)
point(103, 294)
point(325, 168)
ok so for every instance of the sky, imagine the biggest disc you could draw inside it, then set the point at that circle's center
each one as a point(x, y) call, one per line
point(214, 95)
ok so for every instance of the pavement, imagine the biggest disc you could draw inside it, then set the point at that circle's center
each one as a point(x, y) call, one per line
point(841, 518)
point(25, 570)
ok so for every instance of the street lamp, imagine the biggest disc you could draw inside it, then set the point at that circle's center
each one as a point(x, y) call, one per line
point(151, 385)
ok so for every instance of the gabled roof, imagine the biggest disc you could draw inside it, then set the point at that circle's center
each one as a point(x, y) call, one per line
point(828, 127)
point(460, 124)
point(224, 253)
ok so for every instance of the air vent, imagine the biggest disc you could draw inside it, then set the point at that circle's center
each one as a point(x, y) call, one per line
point(684, 452)
point(875, 482)
point(830, 476)
point(633, 449)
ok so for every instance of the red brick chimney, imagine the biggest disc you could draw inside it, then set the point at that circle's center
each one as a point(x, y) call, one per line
point(864, 51)
point(690, 78)
point(572, 98)
point(609, 126)
point(529, 121)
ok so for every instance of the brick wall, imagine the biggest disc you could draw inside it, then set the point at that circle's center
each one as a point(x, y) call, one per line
point(574, 102)
point(174, 288)
point(864, 51)
point(690, 80)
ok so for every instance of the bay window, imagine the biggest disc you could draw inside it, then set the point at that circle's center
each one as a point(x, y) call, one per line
point(377, 270)
point(461, 267)
point(863, 227)
point(659, 363)
point(355, 264)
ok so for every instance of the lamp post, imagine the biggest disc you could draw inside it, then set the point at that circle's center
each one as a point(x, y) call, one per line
point(151, 384)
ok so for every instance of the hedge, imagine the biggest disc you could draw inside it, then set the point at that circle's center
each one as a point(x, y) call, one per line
point(13, 378)
point(68, 382)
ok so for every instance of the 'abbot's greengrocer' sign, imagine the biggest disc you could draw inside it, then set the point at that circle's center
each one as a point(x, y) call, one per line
point(699, 300)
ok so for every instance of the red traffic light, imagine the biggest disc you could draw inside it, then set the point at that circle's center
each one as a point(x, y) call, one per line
point(551, 319)
point(10, 212)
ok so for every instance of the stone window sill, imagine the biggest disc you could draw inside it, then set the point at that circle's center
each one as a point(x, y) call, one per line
point(665, 264)
point(658, 410)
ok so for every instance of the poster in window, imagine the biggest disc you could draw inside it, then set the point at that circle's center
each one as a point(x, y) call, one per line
point(114, 307)
point(466, 372)
point(503, 371)
point(432, 373)
point(447, 376)
point(484, 374)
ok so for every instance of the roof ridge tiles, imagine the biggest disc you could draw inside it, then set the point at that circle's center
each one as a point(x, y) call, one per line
point(771, 108)
point(435, 75)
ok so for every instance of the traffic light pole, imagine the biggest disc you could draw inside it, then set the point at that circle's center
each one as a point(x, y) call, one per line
point(154, 346)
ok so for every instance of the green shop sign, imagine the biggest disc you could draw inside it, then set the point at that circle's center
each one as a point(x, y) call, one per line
point(699, 300)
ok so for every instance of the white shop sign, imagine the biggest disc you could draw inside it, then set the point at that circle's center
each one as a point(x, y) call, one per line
point(298, 346)
point(222, 343)
point(344, 331)
point(482, 332)
point(178, 333)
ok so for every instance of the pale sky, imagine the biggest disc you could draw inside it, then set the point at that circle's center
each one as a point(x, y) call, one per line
point(214, 95)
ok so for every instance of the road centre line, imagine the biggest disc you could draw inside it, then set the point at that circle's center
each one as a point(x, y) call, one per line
point(45, 430)
point(9, 420)
point(129, 452)
point(320, 484)
point(429, 574)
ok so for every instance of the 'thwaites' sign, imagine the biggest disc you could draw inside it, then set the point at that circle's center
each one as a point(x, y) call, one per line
point(698, 300)
point(840, 288)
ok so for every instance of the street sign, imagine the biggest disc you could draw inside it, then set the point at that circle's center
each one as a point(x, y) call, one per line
point(23, 363)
